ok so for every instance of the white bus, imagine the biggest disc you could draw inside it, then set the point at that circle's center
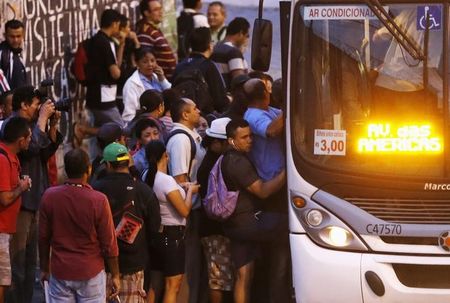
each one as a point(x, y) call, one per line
point(368, 148)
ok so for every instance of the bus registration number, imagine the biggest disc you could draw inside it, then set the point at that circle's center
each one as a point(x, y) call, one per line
point(384, 229)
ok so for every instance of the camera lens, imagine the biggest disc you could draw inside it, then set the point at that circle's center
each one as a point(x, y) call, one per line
point(63, 105)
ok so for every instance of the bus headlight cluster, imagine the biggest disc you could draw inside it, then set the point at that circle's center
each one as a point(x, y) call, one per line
point(325, 229)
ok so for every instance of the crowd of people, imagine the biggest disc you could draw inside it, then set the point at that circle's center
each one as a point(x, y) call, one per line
point(129, 222)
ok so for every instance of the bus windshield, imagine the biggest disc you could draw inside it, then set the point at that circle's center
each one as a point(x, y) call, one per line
point(361, 103)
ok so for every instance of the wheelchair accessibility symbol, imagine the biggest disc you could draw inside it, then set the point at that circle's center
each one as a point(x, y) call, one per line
point(433, 13)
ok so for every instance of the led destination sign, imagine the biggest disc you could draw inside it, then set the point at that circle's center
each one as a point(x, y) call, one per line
point(388, 138)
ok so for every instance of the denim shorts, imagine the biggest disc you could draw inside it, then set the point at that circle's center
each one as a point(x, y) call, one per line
point(65, 291)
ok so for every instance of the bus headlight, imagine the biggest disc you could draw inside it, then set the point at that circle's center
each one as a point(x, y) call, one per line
point(326, 229)
point(336, 236)
point(314, 217)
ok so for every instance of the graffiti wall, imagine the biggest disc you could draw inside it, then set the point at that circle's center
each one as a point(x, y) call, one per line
point(53, 30)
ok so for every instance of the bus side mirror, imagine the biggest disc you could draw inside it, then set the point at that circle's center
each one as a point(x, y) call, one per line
point(261, 44)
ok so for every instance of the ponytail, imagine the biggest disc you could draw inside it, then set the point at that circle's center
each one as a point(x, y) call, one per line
point(154, 150)
point(151, 174)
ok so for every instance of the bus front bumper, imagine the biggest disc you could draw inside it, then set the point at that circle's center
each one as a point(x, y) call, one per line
point(324, 275)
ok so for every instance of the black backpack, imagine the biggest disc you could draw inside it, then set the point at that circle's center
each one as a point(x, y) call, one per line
point(123, 206)
point(185, 26)
point(191, 84)
point(191, 140)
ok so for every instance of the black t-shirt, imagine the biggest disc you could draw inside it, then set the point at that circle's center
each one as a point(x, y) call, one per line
point(100, 58)
point(116, 186)
point(239, 173)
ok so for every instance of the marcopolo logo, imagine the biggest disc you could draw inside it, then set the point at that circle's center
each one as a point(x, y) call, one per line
point(437, 186)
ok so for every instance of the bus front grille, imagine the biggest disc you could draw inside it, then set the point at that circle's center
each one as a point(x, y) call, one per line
point(406, 211)
point(423, 276)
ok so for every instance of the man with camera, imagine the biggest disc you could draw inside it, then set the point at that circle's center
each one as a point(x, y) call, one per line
point(40, 112)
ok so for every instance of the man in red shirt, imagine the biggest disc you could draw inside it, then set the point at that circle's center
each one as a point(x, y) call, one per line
point(76, 222)
point(16, 137)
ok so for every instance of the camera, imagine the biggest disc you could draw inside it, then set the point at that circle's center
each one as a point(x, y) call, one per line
point(43, 93)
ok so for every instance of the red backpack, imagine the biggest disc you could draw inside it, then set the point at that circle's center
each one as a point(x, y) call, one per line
point(80, 61)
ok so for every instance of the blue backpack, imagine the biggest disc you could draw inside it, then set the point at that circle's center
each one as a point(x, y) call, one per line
point(219, 203)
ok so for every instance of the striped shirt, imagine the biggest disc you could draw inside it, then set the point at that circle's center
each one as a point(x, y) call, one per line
point(151, 36)
point(228, 58)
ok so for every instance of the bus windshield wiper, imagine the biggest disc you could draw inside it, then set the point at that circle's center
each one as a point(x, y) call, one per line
point(396, 31)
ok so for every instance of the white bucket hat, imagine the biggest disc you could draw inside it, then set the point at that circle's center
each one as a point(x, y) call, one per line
point(218, 128)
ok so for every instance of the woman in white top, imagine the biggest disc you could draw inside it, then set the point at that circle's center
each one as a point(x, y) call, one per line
point(149, 75)
point(168, 250)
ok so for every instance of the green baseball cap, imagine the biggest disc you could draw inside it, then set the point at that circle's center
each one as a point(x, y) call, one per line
point(115, 152)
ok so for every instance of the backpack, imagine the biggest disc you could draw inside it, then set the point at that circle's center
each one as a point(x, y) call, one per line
point(191, 140)
point(80, 61)
point(190, 83)
point(127, 219)
point(219, 203)
point(185, 26)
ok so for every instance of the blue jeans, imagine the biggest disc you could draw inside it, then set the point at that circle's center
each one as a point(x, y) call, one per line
point(87, 291)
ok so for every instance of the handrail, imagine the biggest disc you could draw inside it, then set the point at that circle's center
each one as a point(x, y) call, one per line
point(395, 30)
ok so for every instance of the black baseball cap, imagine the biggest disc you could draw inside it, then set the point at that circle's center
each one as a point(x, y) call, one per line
point(109, 132)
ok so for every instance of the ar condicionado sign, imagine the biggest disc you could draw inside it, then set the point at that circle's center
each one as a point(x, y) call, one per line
point(339, 12)
point(387, 138)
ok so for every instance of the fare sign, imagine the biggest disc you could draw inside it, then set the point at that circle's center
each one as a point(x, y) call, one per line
point(389, 138)
point(329, 142)
point(339, 12)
